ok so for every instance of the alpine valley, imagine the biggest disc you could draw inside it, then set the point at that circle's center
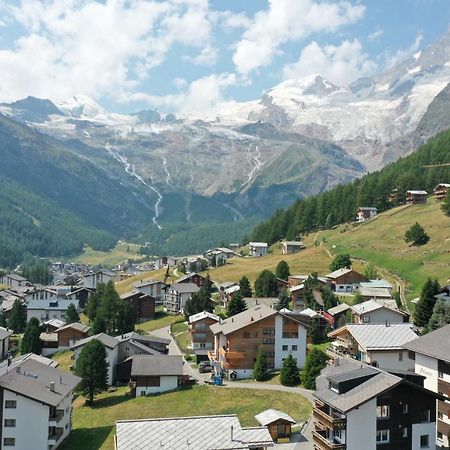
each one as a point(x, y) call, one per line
point(187, 182)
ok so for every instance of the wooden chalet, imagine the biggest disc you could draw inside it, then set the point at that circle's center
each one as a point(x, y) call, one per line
point(416, 197)
point(440, 191)
point(142, 304)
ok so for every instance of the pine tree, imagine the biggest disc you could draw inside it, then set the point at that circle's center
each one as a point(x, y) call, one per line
point(94, 301)
point(282, 270)
point(425, 305)
point(341, 262)
point(3, 320)
point(126, 318)
point(446, 204)
point(30, 341)
point(284, 301)
point(260, 368)
point(92, 367)
point(416, 235)
point(440, 316)
point(18, 318)
point(98, 326)
point(289, 375)
point(245, 287)
point(71, 314)
point(236, 305)
point(266, 284)
point(315, 362)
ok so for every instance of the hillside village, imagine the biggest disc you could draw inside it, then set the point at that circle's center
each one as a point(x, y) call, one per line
point(329, 359)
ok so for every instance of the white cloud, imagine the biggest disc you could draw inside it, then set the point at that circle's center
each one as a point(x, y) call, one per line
point(207, 57)
point(390, 59)
point(180, 83)
point(287, 20)
point(340, 64)
point(375, 35)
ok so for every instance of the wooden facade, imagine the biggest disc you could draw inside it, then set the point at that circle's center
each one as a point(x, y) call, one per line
point(68, 335)
point(440, 191)
point(143, 305)
point(202, 338)
point(416, 197)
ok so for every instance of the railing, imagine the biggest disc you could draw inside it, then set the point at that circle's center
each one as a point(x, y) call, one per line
point(333, 420)
point(234, 355)
point(55, 436)
point(323, 443)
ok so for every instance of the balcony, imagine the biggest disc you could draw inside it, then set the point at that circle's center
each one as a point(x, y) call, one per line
point(334, 420)
point(323, 443)
point(55, 436)
point(444, 387)
point(56, 418)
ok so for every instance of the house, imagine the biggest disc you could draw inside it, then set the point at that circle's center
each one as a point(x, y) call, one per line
point(432, 359)
point(52, 325)
point(290, 247)
point(54, 308)
point(440, 191)
point(359, 407)
point(314, 316)
point(282, 285)
point(366, 213)
point(41, 294)
point(71, 333)
point(153, 288)
point(377, 284)
point(192, 277)
point(278, 423)
point(177, 295)
point(143, 305)
point(91, 281)
point(220, 254)
point(370, 293)
point(381, 345)
point(251, 302)
point(444, 294)
point(258, 248)
point(202, 338)
point(36, 405)
point(226, 291)
point(416, 197)
point(5, 334)
point(81, 294)
point(13, 281)
point(184, 433)
point(152, 374)
point(298, 297)
point(376, 311)
point(337, 315)
point(345, 280)
point(238, 339)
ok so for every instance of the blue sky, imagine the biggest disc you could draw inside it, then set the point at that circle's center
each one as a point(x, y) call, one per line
point(193, 55)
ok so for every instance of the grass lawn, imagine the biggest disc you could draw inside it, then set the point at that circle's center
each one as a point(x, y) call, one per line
point(127, 284)
point(120, 253)
point(93, 428)
point(274, 378)
point(161, 320)
point(64, 359)
point(182, 336)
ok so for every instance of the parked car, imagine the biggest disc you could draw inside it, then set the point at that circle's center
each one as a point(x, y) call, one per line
point(205, 367)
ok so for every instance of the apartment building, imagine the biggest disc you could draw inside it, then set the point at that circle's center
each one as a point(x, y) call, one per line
point(431, 354)
point(359, 407)
point(202, 338)
point(238, 339)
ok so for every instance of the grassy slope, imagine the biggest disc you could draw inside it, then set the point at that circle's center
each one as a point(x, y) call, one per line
point(93, 428)
point(115, 256)
point(127, 284)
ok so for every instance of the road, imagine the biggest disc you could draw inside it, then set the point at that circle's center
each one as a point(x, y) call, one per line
point(301, 441)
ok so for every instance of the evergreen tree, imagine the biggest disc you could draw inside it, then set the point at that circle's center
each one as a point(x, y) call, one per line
point(3, 321)
point(425, 305)
point(315, 362)
point(398, 299)
point(245, 287)
point(92, 367)
point(108, 307)
point(266, 284)
point(30, 341)
point(284, 300)
point(18, 318)
point(260, 368)
point(440, 316)
point(290, 375)
point(94, 301)
point(126, 318)
point(282, 270)
point(98, 326)
point(236, 305)
point(71, 314)
point(208, 286)
point(341, 262)
point(200, 301)
point(416, 235)
point(446, 204)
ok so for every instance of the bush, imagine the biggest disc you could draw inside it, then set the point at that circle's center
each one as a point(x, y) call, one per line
point(416, 235)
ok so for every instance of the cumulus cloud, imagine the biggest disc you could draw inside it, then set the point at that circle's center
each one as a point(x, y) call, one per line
point(287, 20)
point(340, 64)
point(375, 35)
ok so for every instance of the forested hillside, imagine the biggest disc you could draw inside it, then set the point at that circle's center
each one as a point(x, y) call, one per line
point(339, 205)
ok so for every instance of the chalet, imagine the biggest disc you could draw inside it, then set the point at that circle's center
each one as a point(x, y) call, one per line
point(345, 280)
point(177, 295)
point(251, 302)
point(290, 247)
point(71, 333)
point(337, 315)
point(238, 339)
point(370, 293)
point(41, 294)
point(226, 291)
point(195, 278)
point(366, 213)
point(440, 191)
point(153, 288)
point(361, 407)
point(298, 297)
point(282, 285)
point(92, 280)
point(13, 281)
point(54, 308)
point(278, 423)
point(432, 359)
point(180, 433)
point(380, 345)
point(81, 294)
point(416, 197)
point(295, 280)
point(36, 405)
point(143, 305)
point(444, 294)
point(52, 325)
point(378, 311)
point(202, 338)
point(220, 254)
point(258, 248)
point(377, 284)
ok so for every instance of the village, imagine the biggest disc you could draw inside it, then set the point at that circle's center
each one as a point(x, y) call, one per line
point(343, 342)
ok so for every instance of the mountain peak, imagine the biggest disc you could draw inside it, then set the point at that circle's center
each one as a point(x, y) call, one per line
point(82, 106)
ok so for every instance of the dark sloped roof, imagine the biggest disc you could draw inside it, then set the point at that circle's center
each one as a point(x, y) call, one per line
point(435, 344)
point(150, 365)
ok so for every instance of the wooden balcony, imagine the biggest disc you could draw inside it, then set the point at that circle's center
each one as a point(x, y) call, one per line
point(444, 387)
point(443, 427)
point(322, 443)
point(333, 421)
point(444, 408)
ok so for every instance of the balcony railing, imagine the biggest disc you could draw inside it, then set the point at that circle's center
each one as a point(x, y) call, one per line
point(324, 443)
point(54, 437)
point(333, 420)
point(57, 417)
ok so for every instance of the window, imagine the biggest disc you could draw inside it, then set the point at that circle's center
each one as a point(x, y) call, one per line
point(382, 436)
point(440, 374)
point(427, 415)
point(366, 319)
point(268, 331)
point(9, 442)
point(142, 393)
point(440, 415)
point(294, 348)
point(405, 432)
point(285, 348)
point(400, 356)
point(10, 404)
point(287, 335)
point(405, 408)
point(270, 354)
point(440, 435)
point(383, 412)
point(424, 441)
point(268, 341)
point(10, 422)
point(246, 335)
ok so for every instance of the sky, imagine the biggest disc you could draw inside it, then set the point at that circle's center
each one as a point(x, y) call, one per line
point(195, 55)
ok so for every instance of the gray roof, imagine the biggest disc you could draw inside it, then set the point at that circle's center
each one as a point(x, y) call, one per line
point(417, 192)
point(143, 338)
point(4, 333)
point(374, 292)
point(243, 319)
point(39, 358)
point(16, 277)
point(338, 309)
point(376, 284)
point(152, 365)
point(185, 287)
point(435, 344)
point(52, 304)
point(380, 336)
point(338, 273)
point(190, 433)
point(144, 283)
point(203, 315)
point(75, 326)
point(105, 339)
point(373, 305)
point(32, 379)
point(294, 243)
point(187, 276)
point(367, 208)
point(272, 415)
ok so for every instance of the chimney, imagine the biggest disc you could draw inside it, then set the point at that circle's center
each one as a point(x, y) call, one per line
point(52, 386)
point(232, 437)
point(256, 302)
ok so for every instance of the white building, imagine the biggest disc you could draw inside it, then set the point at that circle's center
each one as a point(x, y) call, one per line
point(36, 405)
point(431, 354)
point(258, 248)
point(373, 311)
point(92, 280)
point(54, 308)
point(13, 281)
point(153, 288)
point(177, 295)
point(366, 213)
